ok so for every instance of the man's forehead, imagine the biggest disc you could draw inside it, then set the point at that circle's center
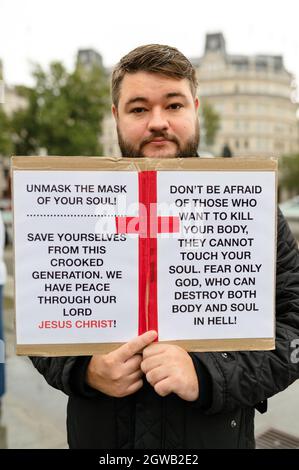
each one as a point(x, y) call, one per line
point(141, 84)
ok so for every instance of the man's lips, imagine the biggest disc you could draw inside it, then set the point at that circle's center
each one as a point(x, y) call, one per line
point(159, 141)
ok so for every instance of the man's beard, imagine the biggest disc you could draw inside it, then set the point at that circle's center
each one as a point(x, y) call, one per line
point(189, 150)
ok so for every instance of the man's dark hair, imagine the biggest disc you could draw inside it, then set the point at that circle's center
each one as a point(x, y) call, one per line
point(153, 58)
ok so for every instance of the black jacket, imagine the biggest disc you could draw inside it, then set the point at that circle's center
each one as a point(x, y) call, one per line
point(232, 385)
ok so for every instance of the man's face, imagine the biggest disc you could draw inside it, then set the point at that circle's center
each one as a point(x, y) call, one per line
point(156, 117)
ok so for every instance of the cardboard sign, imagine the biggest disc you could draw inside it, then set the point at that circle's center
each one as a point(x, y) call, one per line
point(106, 249)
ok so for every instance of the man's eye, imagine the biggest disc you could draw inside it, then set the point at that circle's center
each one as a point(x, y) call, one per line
point(175, 106)
point(138, 110)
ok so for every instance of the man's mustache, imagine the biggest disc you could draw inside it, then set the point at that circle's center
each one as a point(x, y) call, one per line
point(161, 134)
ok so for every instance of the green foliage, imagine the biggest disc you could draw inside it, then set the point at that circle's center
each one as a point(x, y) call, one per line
point(211, 123)
point(289, 172)
point(64, 112)
point(6, 143)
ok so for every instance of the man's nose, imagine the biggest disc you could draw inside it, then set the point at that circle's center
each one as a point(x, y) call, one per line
point(157, 121)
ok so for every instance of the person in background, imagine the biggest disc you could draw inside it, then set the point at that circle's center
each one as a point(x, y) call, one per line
point(226, 152)
point(2, 282)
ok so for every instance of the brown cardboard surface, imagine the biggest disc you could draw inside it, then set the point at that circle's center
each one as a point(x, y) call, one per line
point(103, 348)
point(143, 164)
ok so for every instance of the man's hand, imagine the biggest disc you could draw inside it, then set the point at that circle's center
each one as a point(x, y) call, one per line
point(118, 373)
point(170, 369)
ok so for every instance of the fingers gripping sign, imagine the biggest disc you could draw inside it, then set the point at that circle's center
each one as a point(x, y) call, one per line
point(169, 369)
point(136, 345)
point(118, 373)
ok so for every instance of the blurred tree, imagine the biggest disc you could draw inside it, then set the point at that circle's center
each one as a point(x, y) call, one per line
point(289, 173)
point(64, 112)
point(6, 144)
point(211, 123)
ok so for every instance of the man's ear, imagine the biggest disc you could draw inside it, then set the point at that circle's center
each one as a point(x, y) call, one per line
point(196, 102)
point(114, 112)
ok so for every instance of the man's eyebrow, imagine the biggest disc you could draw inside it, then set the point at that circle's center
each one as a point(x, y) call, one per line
point(142, 99)
point(137, 99)
point(175, 95)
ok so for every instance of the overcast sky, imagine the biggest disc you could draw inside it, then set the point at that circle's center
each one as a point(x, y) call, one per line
point(45, 30)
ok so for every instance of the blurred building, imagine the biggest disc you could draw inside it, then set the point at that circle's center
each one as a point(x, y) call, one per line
point(254, 97)
point(10, 101)
point(1, 84)
point(89, 58)
point(108, 138)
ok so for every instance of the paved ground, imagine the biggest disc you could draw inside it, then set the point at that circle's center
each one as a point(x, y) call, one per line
point(33, 413)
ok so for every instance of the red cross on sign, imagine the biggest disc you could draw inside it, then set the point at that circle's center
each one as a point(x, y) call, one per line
point(147, 225)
